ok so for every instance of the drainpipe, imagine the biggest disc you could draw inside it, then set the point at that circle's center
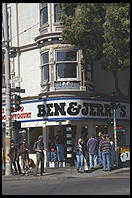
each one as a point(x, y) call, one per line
point(18, 52)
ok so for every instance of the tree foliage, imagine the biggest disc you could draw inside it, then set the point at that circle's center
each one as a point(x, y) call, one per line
point(117, 36)
point(100, 30)
point(83, 27)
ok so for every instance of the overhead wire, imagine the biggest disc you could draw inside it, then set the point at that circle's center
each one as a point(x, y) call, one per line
point(33, 26)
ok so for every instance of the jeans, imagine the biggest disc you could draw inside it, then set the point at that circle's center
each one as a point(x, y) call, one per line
point(106, 160)
point(48, 156)
point(93, 158)
point(100, 157)
point(79, 158)
point(53, 157)
point(60, 152)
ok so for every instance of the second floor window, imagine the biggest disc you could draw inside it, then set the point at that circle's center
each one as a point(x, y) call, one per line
point(66, 65)
point(44, 14)
point(45, 67)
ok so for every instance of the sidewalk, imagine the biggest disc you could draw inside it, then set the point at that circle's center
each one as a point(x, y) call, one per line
point(68, 172)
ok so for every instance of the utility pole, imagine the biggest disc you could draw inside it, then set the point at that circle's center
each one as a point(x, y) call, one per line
point(114, 107)
point(115, 136)
point(8, 91)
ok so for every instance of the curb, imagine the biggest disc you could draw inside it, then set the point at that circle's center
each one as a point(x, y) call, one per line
point(70, 172)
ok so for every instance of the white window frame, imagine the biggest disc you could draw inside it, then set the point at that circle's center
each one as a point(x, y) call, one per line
point(55, 22)
point(43, 65)
point(77, 65)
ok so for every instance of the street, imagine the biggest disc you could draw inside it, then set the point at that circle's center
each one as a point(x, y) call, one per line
point(59, 183)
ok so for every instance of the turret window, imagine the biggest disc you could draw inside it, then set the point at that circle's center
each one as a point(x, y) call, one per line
point(57, 11)
point(44, 14)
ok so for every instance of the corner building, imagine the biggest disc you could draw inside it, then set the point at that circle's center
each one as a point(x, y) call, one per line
point(59, 94)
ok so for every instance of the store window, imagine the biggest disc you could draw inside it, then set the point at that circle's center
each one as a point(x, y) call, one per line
point(44, 14)
point(66, 65)
point(121, 135)
point(45, 67)
point(84, 132)
point(57, 12)
point(102, 128)
point(34, 133)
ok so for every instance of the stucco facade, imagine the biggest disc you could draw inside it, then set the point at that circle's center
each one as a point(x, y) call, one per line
point(38, 56)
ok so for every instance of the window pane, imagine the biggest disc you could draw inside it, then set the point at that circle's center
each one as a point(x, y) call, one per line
point(43, 4)
point(57, 11)
point(45, 73)
point(66, 70)
point(45, 57)
point(66, 55)
point(44, 15)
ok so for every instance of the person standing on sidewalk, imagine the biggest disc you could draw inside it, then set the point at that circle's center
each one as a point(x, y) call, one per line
point(39, 149)
point(92, 147)
point(59, 149)
point(79, 155)
point(99, 138)
point(24, 152)
point(53, 151)
point(105, 146)
point(17, 159)
point(13, 155)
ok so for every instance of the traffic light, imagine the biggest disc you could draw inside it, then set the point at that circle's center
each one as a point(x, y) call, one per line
point(113, 100)
point(110, 122)
point(17, 125)
point(17, 102)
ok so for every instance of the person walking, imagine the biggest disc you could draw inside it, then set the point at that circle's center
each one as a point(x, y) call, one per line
point(39, 149)
point(99, 158)
point(24, 152)
point(13, 155)
point(92, 147)
point(79, 155)
point(105, 146)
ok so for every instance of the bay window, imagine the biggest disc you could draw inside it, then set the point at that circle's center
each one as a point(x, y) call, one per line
point(66, 65)
point(45, 67)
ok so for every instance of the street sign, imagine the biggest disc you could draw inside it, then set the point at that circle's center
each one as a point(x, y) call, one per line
point(17, 89)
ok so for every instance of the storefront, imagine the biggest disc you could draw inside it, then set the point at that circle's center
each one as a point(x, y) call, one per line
point(85, 117)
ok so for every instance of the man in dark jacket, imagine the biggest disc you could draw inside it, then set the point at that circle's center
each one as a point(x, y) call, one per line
point(99, 138)
point(24, 152)
point(13, 154)
point(39, 148)
point(92, 147)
